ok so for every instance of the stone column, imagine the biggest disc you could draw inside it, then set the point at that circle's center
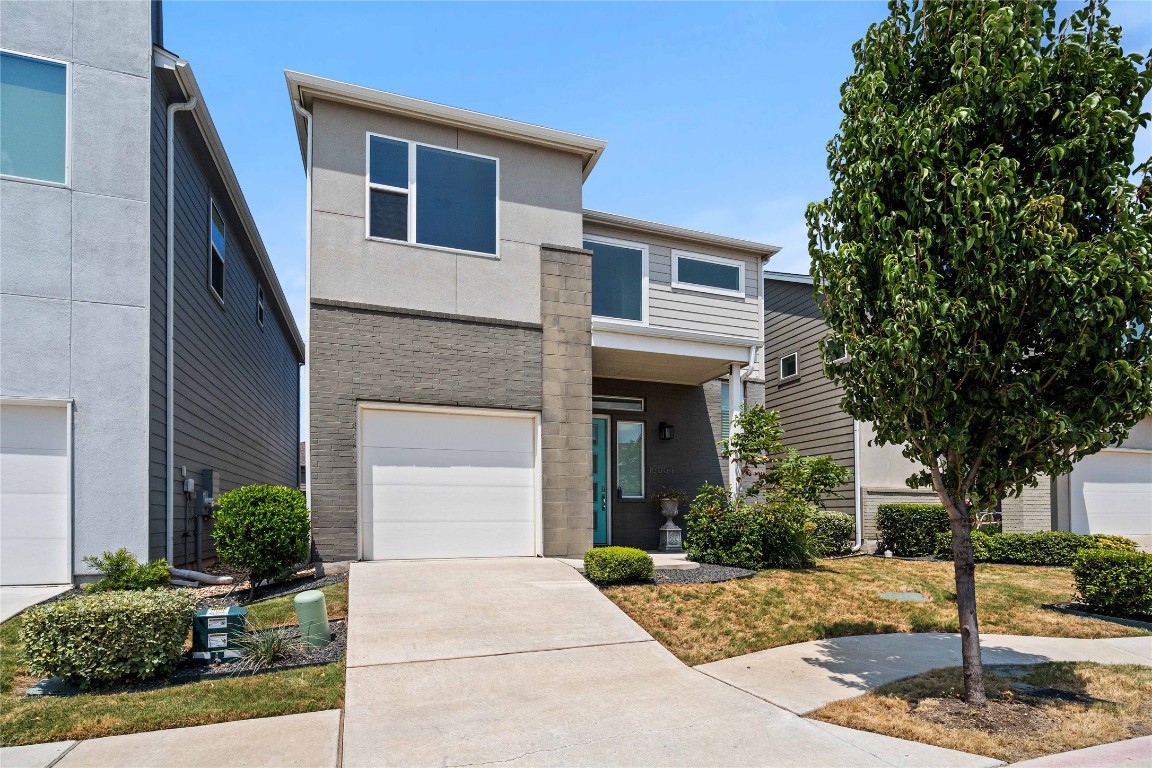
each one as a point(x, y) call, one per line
point(566, 421)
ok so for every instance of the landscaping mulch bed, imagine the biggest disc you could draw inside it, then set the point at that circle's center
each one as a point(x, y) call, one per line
point(705, 574)
point(1079, 609)
point(226, 596)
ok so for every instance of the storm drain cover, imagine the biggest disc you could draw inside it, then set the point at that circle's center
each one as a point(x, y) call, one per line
point(904, 597)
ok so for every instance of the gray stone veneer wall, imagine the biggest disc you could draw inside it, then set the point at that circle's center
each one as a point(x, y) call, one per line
point(566, 423)
point(363, 353)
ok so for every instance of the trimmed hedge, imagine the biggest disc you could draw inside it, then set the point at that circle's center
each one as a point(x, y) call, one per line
point(835, 533)
point(910, 530)
point(609, 565)
point(1114, 582)
point(102, 638)
point(775, 534)
point(263, 528)
point(1041, 548)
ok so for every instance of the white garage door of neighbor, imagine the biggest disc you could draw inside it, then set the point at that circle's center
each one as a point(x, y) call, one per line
point(35, 522)
point(443, 483)
point(1112, 493)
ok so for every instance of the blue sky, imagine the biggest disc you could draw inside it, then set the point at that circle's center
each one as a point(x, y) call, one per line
point(716, 115)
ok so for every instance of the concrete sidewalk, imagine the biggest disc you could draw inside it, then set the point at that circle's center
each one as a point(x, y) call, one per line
point(523, 662)
point(309, 740)
point(14, 600)
point(806, 676)
point(1133, 753)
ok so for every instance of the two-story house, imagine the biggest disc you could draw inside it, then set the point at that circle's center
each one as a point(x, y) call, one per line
point(493, 370)
point(144, 336)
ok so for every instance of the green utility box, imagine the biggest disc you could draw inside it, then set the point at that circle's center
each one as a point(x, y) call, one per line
point(214, 632)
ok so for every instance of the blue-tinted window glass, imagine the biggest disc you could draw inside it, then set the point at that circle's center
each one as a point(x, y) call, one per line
point(388, 164)
point(389, 215)
point(33, 118)
point(217, 231)
point(455, 200)
point(617, 281)
point(708, 273)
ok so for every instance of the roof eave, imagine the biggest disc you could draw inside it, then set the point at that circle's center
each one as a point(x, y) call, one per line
point(617, 221)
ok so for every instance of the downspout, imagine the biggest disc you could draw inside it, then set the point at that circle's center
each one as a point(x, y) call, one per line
point(856, 486)
point(296, 105)
point(169, 323)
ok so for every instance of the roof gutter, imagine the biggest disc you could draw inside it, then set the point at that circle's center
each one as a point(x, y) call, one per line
point(183, 71)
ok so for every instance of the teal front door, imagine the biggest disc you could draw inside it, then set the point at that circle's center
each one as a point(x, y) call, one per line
point(599, 479)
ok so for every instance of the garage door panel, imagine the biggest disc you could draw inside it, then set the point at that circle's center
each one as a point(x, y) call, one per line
point(33, 426)
point(35, 472)
point(426, 429)
point(444, 540)
point(381, 464)
point(394, 503)
point(33, 561)
point(1112, 493)
point(34, 515)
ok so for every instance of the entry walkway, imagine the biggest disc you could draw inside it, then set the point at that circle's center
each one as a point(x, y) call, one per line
point(523, 662)
point(804, 677)
point(14, 600)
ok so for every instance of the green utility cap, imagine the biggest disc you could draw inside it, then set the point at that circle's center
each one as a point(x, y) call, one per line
point(312, 614)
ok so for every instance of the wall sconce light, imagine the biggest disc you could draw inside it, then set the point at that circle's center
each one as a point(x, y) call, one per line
point(665, 430)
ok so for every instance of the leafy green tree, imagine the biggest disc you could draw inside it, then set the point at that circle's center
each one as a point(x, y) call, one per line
point(984, 257)
point(809, 478)
point(754, 443)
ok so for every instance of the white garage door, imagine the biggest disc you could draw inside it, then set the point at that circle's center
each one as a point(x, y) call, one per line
point(447, 483)
point(35, 517)
point(1112, 493)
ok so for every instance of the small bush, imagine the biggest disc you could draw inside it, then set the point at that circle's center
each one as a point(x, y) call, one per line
point(834, 535)
point(263, 528)
point(773, 534)
point(609, 565)
point(1114, 582)
point(1040, 548)
point(910, 530)
point(121, 570)
point(102, 638)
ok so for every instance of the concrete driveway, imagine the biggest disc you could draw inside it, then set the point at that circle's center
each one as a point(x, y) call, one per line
point(523, 662)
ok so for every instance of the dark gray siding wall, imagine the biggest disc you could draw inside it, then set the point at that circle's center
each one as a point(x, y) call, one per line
point(809, 405)
point(237, 385)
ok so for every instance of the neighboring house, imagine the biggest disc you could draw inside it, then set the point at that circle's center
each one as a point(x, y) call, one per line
point(493, 369)
point(1110, 492)
point(120, 378)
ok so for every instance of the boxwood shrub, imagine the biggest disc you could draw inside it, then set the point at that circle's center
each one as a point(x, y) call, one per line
point(1040, 548)
point(610, 565)
point(263, 528)
point(910, 530)
point(105, 637)
point(1114, 582)
point(774, 534)
point(835, 533)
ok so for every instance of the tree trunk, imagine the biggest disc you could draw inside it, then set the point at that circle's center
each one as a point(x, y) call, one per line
point(964, 565)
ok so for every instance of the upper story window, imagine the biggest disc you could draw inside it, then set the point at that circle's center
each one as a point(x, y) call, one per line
point(711, 274)
point(431, 196)
point(619, 279)
point(216, 252)
point(34, 128)
point(790, 366)
point(260, 306)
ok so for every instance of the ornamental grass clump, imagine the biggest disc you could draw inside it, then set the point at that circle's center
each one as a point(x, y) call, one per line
point(107, 637)
point(263, 528)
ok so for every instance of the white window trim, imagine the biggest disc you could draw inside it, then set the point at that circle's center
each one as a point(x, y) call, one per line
point(618, 399)
point(643, 248)
point(214, 208)
point(643, 457)
point(410, 191)
point(67, 183)
point(780, 366)
point(678, 283)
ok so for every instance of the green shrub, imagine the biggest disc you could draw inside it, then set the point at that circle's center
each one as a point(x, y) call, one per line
point(263, 528)
point(1040, 548)
point(121, 570)
point(910, 530)
point(1114, 582)
point(773, 534)
point(835, 533)
point(608, 565)
point(106, 637)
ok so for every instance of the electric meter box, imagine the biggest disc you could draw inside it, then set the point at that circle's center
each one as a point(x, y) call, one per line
point(214, 633)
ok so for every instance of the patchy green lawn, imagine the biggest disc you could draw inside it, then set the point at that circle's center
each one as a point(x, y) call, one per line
point(35, 719)
point(1014, 725)
point(706, 622)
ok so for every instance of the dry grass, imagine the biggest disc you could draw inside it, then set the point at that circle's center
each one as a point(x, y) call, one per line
point(926, 708)
point(707, 622)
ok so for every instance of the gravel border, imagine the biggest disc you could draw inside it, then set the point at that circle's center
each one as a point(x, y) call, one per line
point(270, 591)
point(705, 574)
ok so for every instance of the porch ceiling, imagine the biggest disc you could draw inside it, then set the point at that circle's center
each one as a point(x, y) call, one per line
point(654, 366)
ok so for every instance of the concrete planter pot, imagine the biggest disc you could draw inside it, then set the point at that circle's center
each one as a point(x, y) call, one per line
point(671, 537)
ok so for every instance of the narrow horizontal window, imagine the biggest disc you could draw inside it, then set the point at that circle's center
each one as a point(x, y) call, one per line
point(34, 128)
point(600, 403)
point(790, 366)
point(708, 272)
point(617, 280)
point(216, 254)
point(630, 459)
